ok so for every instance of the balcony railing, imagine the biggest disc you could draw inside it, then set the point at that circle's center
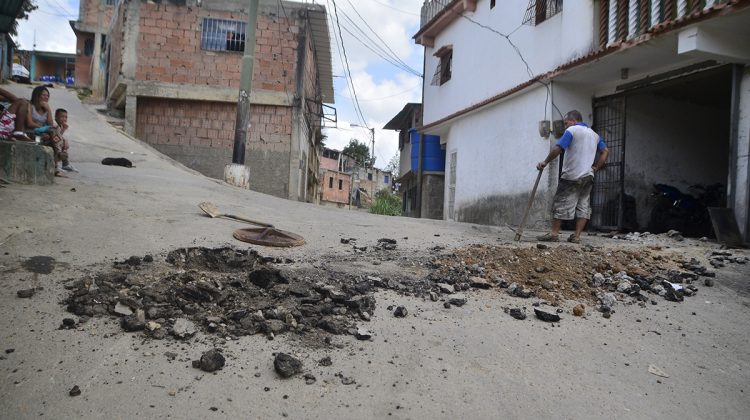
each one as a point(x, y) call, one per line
point(431, 8)
point(626, 19)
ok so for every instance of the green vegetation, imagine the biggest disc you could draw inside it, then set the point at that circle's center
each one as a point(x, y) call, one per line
point(359, 151)
point(386, 203)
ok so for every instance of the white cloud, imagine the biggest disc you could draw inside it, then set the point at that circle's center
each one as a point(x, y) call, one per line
point(50, 26)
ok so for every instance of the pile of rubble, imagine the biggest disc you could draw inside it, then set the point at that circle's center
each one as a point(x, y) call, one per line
point(225, 291)
point(230, 292)
point(588, 275)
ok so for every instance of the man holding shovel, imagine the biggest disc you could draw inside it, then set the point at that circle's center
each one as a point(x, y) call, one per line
point(573, 196)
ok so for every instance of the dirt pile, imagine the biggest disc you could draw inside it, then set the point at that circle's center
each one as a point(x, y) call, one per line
point(555, 274)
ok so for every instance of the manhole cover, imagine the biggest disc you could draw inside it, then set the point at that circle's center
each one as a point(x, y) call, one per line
point(268, 237)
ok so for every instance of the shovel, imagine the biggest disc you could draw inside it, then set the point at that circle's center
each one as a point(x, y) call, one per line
point(213, 211)
point(519, 231)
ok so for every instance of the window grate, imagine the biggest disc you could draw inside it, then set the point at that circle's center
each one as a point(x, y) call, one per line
point(223, 35)
point(541, 10)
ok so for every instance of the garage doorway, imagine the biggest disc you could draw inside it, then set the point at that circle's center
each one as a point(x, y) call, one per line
point(677, 133)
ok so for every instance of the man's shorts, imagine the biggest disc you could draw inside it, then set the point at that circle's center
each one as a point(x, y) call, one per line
point(573, 199)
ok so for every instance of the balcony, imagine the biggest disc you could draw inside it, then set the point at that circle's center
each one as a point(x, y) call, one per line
point(437, 14)
point(622, 20)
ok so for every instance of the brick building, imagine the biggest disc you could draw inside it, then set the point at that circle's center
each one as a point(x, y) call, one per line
point(94, 17)
point(335, 179)
point(174, 67)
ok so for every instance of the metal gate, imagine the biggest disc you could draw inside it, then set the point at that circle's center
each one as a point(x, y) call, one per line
point(607, 196)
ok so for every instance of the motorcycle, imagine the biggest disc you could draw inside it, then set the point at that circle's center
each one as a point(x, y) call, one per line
point(687, 213)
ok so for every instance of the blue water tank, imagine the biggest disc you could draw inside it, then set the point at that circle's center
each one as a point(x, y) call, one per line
point(433, 156)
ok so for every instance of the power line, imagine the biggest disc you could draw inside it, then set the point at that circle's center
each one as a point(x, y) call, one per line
point(382, 54)
point(60, 7)
point(391, 96)
point(393, 54)
point(395, 64)
point(346, 66)
point(393, 8)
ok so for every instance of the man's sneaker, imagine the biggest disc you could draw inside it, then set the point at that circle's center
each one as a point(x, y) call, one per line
point(68, 167)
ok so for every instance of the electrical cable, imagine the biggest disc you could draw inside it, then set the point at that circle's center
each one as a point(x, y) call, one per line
point(348, 71)
point(60, 7)
point(393, 54)
point(392, 59)
point(398, 10)
point(391, 96)
point(379, 54)
point(345, 66)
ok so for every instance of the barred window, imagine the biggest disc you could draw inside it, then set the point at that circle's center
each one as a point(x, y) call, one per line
point(444, 69)
point(541, 10)
point(223, 35)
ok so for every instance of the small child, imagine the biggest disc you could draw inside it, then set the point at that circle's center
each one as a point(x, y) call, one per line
point(61, 118)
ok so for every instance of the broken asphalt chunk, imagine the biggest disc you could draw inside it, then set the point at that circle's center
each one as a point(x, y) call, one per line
point(131, 323)
point(266, 277)
point(517, 313)
point(26, 293)
point(480, 283)
point(286, 366)
point(210, 361)
point(183, 328)
point(546, 316)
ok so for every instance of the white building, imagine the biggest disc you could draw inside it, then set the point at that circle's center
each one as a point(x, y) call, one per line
point(665, 82)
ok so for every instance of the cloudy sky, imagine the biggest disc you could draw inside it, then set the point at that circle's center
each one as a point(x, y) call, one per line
point(367, 27)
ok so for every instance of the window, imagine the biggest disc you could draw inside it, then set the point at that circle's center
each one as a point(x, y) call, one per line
point(330, 182)
point(341, 184)
point(109, 2)
point(492, 4)
point(88, 47)
point(541, 10)
point(223, 35)
point(369, 177)
point(444, 69)
point(386, 179)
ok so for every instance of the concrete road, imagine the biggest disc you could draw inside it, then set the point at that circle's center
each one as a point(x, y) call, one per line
point(468, 362)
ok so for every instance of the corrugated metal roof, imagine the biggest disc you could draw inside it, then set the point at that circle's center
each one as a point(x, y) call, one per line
point(322, 42)
point(8, 11)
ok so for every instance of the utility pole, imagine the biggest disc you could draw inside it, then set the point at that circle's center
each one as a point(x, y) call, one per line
point(372, 139)
point(237, 173)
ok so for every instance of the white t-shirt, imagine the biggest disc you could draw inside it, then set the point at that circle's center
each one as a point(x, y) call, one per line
point(580, 144)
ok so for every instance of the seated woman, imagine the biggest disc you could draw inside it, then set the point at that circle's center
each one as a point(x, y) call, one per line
point(39, 120)
point(13, 116)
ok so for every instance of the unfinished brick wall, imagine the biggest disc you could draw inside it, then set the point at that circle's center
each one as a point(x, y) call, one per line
point(200, 135)
point(83, 62)
point(95, 13)
point(169, 49)
point(268, 149)
point(329, 187)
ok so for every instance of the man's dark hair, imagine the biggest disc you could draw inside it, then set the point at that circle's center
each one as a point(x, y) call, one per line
point(59, 111)
point(574, 115)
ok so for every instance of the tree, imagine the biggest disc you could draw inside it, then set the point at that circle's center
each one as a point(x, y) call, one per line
point(393, 164)
point(27, 7)
point(359, 151)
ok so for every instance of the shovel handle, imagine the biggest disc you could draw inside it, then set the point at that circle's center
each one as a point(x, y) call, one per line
point(519, 232)
point(243, 219)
